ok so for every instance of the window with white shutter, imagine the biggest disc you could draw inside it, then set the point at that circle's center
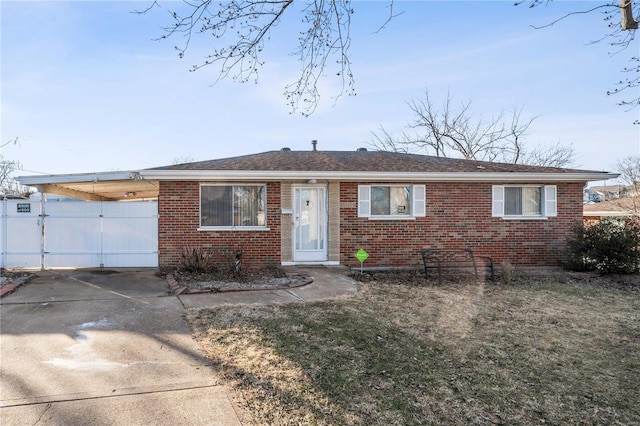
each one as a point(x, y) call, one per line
point(364, 201)
point(524, 201)
point(391, 201)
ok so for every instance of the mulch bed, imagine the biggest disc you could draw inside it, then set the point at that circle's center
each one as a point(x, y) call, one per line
point(225, 280)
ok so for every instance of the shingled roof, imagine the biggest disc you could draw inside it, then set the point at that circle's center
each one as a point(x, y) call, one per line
point(364, 166)
point(357, 161)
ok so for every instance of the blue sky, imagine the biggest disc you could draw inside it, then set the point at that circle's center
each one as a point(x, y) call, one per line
point(86, 88)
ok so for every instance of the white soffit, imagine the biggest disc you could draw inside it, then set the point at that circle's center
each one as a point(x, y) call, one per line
point(108, 186)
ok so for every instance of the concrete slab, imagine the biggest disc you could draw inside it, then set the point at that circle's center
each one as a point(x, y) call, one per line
point(328, 283)
point(105, 347)
point(70, 351)
point(134, 282)
point(75, 285)
point(194, 406)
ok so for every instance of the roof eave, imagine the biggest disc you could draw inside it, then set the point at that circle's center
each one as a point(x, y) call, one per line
point(609, 213)
point(244, 175)
point(76, 178)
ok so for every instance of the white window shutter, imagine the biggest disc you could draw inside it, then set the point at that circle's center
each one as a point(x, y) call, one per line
point(497, 201)
point(551, 200)
point(364, 201)
point(419, 200)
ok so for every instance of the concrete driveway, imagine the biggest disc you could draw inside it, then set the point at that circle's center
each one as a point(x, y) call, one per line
point(101, 348)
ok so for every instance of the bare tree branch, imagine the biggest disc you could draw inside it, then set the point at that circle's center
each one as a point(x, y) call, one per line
point(562, 18)
point(629, 169)
point(8, 184)
point(145, 10)
point(240, 29)
point(557, 155)
point(391, 16)
point(620, 37)
point(328, 34)
point(13, 141)
point(384, 141)
point(448, 131)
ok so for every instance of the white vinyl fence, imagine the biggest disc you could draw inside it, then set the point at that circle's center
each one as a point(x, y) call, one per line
point(55, 234)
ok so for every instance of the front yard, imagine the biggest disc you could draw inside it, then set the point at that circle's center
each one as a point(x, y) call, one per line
point(553, 350)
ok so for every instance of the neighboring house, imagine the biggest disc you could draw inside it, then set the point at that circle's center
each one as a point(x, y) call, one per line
point(621, 207)
point(606, 193)
point(320, 207)
point(592, 196)
point(12, 197)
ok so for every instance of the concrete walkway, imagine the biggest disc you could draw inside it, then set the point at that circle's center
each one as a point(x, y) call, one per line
point(328, 283)
point(110, 347)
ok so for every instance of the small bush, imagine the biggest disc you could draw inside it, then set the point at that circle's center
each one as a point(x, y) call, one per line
point(508, 272)
point(611, 246)
point(196, 259)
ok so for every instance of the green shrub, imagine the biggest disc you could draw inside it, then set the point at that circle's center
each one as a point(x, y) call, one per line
point(611, 246)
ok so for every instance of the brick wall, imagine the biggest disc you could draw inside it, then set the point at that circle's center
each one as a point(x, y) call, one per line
point(334, 221)
point(286, 200)
point(458, 216)
point(178, 222)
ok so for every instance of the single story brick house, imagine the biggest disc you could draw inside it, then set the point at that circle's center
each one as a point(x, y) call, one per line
point(319, 207)
point(294, 207)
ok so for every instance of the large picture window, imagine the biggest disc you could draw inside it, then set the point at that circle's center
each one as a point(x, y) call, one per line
point(232, 206)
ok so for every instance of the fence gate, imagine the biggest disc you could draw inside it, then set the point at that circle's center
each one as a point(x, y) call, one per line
point(51, 234)
point(20, 234)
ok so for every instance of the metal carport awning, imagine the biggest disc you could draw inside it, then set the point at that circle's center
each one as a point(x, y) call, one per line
point(105, 186)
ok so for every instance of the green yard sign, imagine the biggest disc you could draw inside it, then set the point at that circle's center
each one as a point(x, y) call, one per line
point(361, 255)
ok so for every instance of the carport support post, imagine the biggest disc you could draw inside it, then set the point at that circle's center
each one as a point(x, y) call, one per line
point(43, 214)
point(3, 232)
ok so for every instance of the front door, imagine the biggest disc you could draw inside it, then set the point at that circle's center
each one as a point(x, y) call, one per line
point(310, 224)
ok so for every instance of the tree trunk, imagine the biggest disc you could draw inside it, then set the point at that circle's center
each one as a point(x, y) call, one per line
point(626, 12)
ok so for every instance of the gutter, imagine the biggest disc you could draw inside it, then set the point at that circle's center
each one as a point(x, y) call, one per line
point(244, 175)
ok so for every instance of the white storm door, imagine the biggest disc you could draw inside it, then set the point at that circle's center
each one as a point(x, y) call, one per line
point(309, 224)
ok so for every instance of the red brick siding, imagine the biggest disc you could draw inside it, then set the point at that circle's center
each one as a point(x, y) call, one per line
point(458, 216)
point(178, 222)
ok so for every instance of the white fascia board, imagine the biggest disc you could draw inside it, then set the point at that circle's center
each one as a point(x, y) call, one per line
point(241, 175)
point(75, 178)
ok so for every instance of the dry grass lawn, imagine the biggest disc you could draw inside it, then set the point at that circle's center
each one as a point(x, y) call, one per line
point(546, 351)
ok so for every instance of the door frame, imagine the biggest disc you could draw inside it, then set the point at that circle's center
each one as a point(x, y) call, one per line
point(325, 227)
